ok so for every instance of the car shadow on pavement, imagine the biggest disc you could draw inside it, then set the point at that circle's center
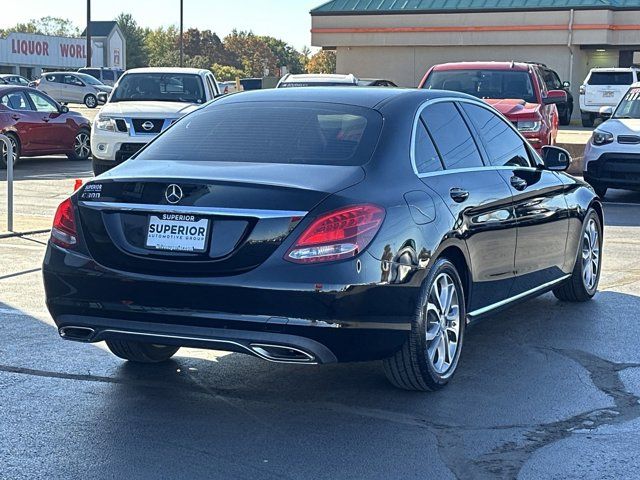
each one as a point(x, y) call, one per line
point(526, 370)
point(49, 168)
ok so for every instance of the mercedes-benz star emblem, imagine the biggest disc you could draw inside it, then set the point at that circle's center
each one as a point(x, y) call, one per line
point(173, 194)
point(148, 125)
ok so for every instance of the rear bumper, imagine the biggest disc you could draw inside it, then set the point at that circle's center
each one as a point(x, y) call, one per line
point(364, 321)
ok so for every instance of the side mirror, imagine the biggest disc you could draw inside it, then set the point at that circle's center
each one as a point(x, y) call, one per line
point(606, 112)
point(63, 109)
point(555, 97)
point(556, 159)
point(102, 97)
point(566, 84)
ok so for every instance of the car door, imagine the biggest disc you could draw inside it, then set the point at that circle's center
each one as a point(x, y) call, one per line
point(73, 89)
point(55, 133)
point(24, 119)
point(477, 197)
point(52, 86)
point(538, 196)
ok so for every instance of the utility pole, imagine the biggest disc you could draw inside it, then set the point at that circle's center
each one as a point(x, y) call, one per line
point(88, 33)
point(181, 33)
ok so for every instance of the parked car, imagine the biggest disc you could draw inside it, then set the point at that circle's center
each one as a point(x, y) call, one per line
point(612, 156)
point(515, 89)
point(553, 82)
point(145, 102)
point(330, 80)
point(604, 87)
point(38, 125)
point(266, 223)
point(70, 87)
point(108, 76)
point(11, 79)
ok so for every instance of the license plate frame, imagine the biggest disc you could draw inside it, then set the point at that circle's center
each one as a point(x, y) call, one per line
point(178, 242)
point(608, 94)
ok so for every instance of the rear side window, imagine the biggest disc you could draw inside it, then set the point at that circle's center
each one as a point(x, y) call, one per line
point(503, 145)
point(53, 78)
point(611, 78)
point(265, 132)
point(425, 153)
point(108, 75)
point(94, 72)
point(451, 136)
point(15, 101)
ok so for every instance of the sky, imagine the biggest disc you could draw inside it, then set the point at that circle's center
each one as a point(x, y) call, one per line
point(285, 19)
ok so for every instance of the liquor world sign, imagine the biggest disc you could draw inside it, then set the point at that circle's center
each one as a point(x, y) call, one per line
point(41, 50)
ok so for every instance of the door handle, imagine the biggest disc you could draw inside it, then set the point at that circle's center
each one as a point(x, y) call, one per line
point(519, 183)
point(45, 119)
point(15, 117)
point(459, 195)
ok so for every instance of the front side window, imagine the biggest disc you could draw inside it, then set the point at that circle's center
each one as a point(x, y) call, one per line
point(629, 106)
point(492, 84)
point(42, 104)
point(73, 80)
point(425, 153)
point(160, 87)
point(451, 136)
point(15, 101)
point(264, 132)
point(504, 146)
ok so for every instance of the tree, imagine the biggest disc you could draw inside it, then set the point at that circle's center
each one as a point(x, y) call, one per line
point(135, 38)
point(286, 55)
point(225, 73)
point(207, 44)
point(161, 47)
point(322, 62)
point(254, 54)
point(61, 27)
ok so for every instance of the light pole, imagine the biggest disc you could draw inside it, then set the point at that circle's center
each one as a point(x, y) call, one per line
point(181, 32)
point(88, 33)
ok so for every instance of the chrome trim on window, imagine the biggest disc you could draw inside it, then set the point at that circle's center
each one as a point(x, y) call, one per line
point(200, 211)
point(478, 103)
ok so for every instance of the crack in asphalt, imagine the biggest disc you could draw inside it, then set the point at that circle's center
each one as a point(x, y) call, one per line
point(506, 460)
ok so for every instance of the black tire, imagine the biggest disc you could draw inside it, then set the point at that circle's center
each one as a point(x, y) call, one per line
point(565, 118)
point(99, 168)
point(575, 288)
point(16, 151)
point(141, 352)
point(81, 151)
point(91, 101)
point(588, 119)
point(411, 368)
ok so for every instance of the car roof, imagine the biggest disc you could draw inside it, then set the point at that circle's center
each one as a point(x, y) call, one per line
point(518, 66)
point(320, 77)
point(193, 71)
point(368, 97)
point(613, 69)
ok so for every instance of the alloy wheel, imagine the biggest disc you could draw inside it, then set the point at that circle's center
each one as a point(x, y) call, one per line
point(4, 151)
point(442, 319)
point(82, 146)
point(590, 255)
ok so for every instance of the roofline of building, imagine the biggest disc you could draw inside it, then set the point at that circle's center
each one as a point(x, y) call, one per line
point(345, 13)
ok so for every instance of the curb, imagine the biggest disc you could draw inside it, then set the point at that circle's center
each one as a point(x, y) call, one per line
point(22, 234)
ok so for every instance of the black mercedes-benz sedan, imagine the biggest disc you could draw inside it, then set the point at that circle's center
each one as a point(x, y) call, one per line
point(322, 225)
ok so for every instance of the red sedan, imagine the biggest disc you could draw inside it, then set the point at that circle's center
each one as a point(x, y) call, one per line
point(514, 89)
point(38, 125)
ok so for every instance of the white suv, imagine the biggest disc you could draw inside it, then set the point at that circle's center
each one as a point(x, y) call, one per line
point(604, 87)
point(144, 103)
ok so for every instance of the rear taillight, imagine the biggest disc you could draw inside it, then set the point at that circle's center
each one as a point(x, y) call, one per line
point(337, 235)
point(63, 232)
point(583, 89)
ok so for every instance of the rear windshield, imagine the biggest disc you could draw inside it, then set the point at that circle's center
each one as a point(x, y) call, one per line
point(161, 87)
point(494, 84)
point(611, 78)
point(265, 132)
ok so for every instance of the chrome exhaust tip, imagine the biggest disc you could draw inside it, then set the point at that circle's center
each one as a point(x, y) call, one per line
point(77, 334)
point(281, 353)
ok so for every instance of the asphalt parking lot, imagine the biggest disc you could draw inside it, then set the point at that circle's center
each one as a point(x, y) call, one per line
point(545, 390)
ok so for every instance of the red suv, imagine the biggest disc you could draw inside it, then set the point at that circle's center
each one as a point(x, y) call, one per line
point(515, 89)
point(38, 125)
